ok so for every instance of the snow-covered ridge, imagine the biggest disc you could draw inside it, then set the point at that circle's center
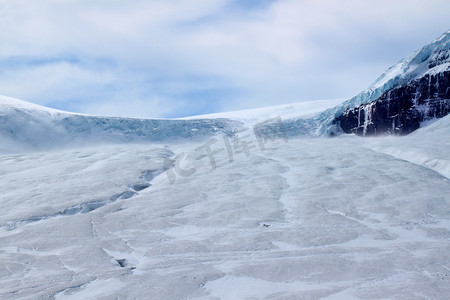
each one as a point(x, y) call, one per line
point(436, 126)
point(26, 127)
point(8, 103)
point(285, 111)
point(430, 59)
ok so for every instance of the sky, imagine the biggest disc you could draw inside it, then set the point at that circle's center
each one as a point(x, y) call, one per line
point(175, 58)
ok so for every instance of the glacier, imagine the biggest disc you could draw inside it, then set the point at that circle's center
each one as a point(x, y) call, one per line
point(28, 127)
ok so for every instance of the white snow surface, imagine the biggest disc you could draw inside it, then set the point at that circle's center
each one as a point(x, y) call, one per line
point(420, 146)
point(306, 218)
point(9, 103)
point(285, 111)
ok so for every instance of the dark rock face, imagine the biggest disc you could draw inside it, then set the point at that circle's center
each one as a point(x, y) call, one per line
point(400, 110)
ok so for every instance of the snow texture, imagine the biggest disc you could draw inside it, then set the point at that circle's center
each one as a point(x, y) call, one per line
point(307, 218)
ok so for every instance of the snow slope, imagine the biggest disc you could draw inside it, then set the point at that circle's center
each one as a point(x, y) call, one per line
point(420, 146)
point(436, 127)
point(342, 218)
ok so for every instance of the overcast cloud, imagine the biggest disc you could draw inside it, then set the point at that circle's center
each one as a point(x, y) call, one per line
point(176, 58)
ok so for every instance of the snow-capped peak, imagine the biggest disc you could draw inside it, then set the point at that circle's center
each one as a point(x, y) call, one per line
point(430, 59)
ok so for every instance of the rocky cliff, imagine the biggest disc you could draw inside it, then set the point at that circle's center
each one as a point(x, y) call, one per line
point(402, 109)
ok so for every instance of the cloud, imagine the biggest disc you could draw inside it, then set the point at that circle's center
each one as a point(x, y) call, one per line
point(173, 58)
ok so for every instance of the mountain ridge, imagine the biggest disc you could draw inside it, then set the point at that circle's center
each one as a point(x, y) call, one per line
point(422, 61)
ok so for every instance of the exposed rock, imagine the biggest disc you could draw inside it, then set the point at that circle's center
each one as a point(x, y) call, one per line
point(402, 109)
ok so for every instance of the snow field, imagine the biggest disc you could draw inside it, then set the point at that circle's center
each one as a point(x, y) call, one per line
point(312, 218)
